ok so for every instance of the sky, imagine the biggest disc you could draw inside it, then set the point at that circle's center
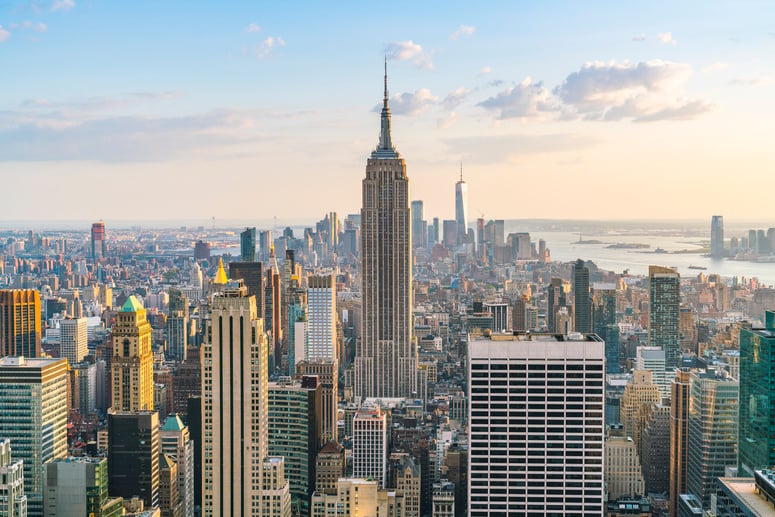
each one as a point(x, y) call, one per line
point(253, 110)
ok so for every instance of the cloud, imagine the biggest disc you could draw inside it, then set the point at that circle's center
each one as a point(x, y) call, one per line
point(267, 46)
point(409, 51)
point(62, 5)
point(28, 25)
point(666, 38)
point(650, 90)
point(463, 30)
point(485, 70)
point(524, 100)
point(447, 121)
point(496, 149)
point(639, 38)
point(715, 67)
point(253, 28)
point(749, 81)
point(455, 98)
point(411, 103)
point(4, 34)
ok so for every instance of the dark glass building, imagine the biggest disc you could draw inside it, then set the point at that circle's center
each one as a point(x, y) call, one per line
point(247, 245)
point(133, 455)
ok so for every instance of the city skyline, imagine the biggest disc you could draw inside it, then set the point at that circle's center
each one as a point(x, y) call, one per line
point(611, 101)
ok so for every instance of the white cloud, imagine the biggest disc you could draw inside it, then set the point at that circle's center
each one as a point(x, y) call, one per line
point(267, 46)
point(409, 51)
point(667, 38)
point(485, 70)
point(409, 103)
point(62, 5)
point(639, 38)
point(4, 34)
point(455, 98)
point(253, 28)
point(749, 81)
point(447, 121)
point(650, 90)
point(524, 100)
point(715, 67)
point(463, 30)
point(28, 25)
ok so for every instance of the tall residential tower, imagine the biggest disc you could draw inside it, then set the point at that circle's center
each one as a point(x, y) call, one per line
point(386, 357)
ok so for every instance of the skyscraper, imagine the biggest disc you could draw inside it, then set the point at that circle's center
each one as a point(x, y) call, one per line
point(74, 339)
point(247, 245)
point(20, 332)
point(713, 411)
point(461, 207)
point(664, 304)
point(132, 363)
point(176, 443)
point(321, 344)
point(234, 394)
point(133, 455)
point(717, 236)
point(13, 502)
point(98, 246)
point(679, 436)
point(33, 397)
point(419, 226)
point(386, 357)
point(582, 305)
point(370, 445)
point(757, 397)
point(549, 460)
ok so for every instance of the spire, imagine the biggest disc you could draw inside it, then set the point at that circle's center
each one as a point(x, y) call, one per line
point(221, 277)
point(461, 171)
point(385, 147)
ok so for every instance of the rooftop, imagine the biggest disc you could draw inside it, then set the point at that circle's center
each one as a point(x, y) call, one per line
point(744, 490)
point(29, 362)
point(132, 304)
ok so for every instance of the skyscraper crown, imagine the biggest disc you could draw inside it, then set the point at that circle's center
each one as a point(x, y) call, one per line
point(385, 148)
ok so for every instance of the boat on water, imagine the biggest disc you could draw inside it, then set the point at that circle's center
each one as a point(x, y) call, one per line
point(702, 268)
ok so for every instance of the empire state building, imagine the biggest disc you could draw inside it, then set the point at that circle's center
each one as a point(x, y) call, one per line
point(386, 356)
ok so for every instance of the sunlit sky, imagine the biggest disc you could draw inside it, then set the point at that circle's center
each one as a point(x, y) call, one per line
point(251, 110)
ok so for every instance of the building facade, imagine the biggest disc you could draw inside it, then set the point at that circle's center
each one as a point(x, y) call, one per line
point(664, 305)
point(133, 455)
point(132, 363)
point(73, 339)
point(20, 331)
point(370, 445)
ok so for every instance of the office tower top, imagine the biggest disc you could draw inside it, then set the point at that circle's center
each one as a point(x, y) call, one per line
point(461, 207)
point(664, 306)
point(581, 298)
point(20, 328)
point(98, 246)
point(386, 357)
point(562, 378)
point(235, 400)
point(717, 236)
point(132, 363)
point(248, 245)
point(757, 397)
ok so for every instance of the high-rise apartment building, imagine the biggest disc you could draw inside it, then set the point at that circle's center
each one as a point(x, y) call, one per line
point(132, 363)
point(33, 398)
point(176, 443)
point(13, 502)
point(582, 304)
point(386, 355)
point(713, 413)
point(679, 436)
point(74, 339)
point(133, 455)
point(717, 236)
point(98, 245)
point(78, 486)
point(370, 445)
point(664, 304)
point(757, 397)
point(538, 448)
point(461, 207)
point(20, 332)
point(234, 394)
point(640, 395)
point(247, 241)
point(321, 318)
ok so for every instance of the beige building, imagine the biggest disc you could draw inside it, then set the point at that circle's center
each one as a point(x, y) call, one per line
point(235, 404)
point(386, 354)
point(357, 497)
point(679, 435)
point(405, 475)
point(640, 394)
point(623, 474)
point(329, 467)
point(275, 493)
point(132, 364)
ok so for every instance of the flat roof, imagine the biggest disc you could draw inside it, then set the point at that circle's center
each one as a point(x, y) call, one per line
point(744, 489)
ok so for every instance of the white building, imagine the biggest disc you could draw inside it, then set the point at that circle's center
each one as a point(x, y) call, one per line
point(321, 318)
point(235, 402)
point(370, 445)
point(13, 502)
point(652, 358)
point(74, 339)
point(536, 424)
